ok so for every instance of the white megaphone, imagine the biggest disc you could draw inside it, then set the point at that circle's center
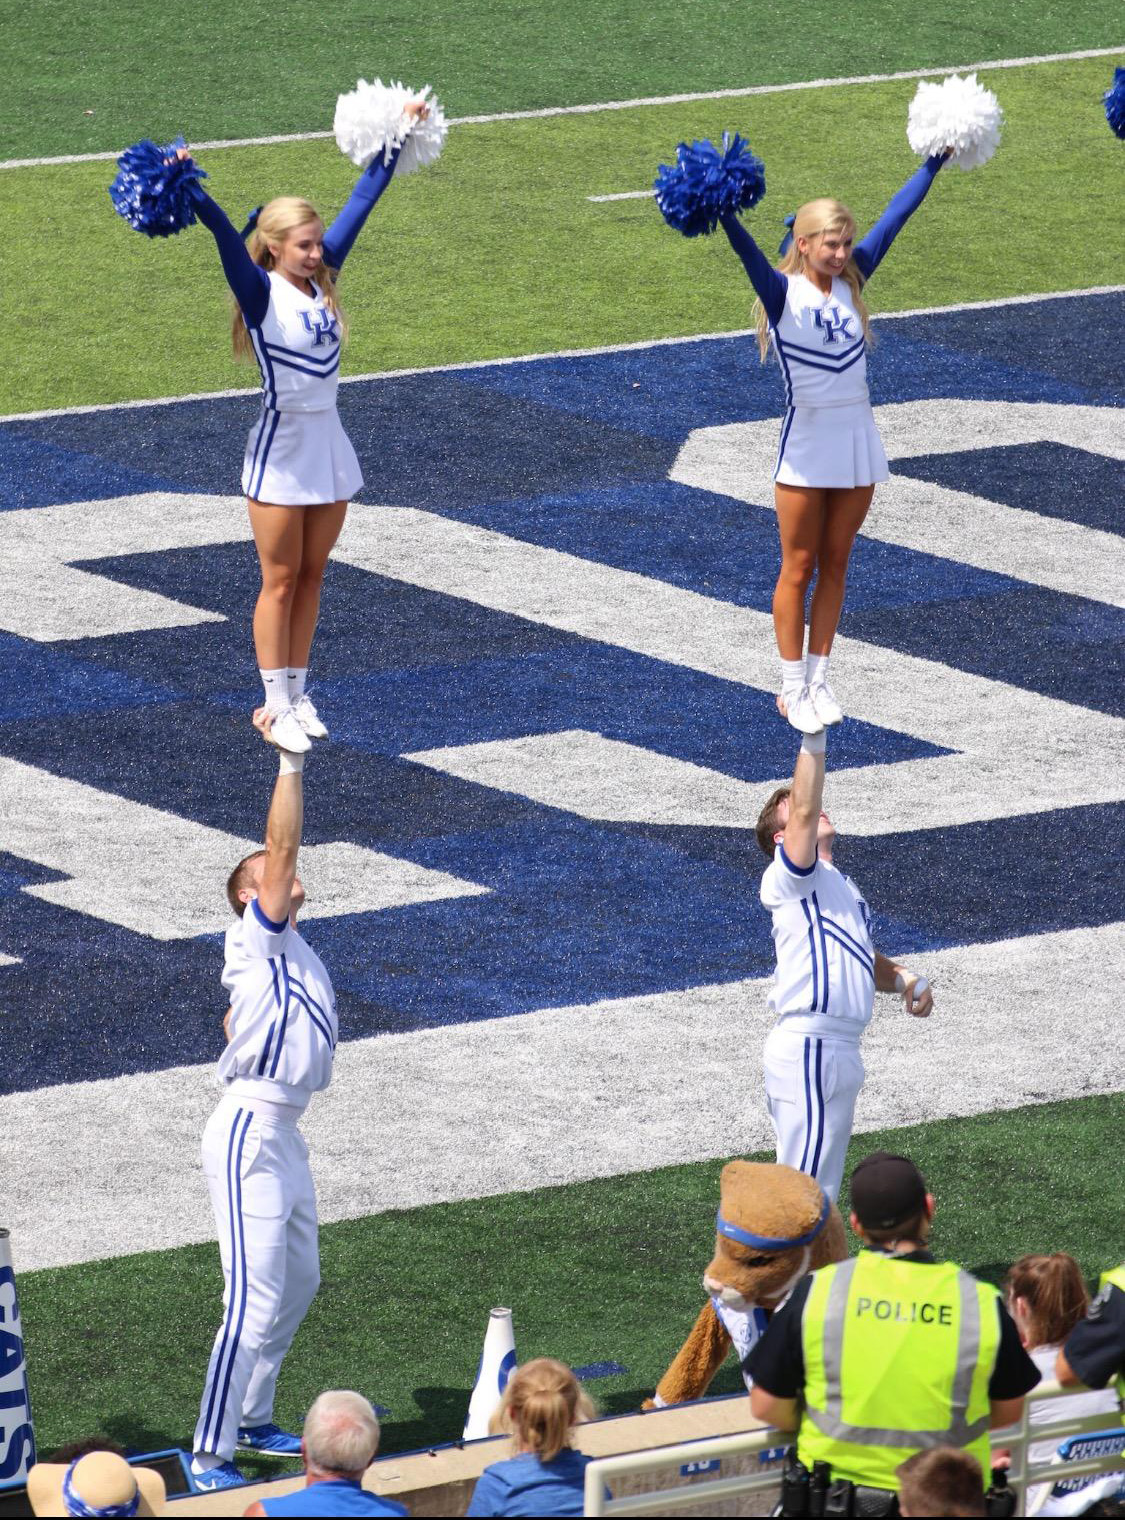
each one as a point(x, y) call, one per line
point(497, 1363)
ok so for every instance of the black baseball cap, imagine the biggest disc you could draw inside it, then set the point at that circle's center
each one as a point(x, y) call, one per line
point(886, 1191)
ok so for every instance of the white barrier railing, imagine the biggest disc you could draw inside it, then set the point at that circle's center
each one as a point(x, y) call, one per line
point(1015, 1438)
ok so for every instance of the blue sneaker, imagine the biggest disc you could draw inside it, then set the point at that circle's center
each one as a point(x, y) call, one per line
point(269, 1439)
point(226, 1475)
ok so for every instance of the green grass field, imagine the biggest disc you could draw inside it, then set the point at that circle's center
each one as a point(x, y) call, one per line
point(598, 1271)
point(497, 251)
point(93, 78)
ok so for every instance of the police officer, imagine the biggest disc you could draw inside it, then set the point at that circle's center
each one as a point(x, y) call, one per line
point(888, 1353)
point(1094, 1351)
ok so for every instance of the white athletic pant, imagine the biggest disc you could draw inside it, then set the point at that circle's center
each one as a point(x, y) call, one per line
point(257, 1171)
point(811, 1087)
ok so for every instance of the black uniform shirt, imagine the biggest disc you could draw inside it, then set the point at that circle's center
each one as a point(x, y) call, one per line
point(777, 1362)
point(1095, 1348)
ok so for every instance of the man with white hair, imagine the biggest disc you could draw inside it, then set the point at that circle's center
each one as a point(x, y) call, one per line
point(340, 1439)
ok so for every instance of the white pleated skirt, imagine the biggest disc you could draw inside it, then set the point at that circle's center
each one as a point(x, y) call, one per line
point(825, 446)
point(300, 459)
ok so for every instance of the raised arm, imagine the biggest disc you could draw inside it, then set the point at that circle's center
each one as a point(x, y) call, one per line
point(283, 833)
point(769, 286)
point(871, 249)
point(248, 281)
point(340, 237)
point(806, 799)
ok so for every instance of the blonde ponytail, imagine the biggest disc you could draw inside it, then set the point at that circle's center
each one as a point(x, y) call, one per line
point(541, 1406)
point(276, 220)
point(812, 220)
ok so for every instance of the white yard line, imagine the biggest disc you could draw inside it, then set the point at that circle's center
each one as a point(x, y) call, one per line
point(678, 1071)
point(616, 105)
point(563, 353)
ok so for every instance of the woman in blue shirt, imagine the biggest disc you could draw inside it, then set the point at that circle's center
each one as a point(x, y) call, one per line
point(546, 1476)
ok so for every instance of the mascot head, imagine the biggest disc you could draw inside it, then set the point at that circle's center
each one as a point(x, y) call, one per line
point(774, 1225)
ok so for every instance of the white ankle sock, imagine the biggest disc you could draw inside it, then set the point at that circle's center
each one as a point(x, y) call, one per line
point(792, 675)
point(816, 669)
point(297, 680)
point(277, 689)
point(204, 1461)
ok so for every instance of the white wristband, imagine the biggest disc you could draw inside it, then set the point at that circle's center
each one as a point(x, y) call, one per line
point(290, 764)
point(815, 744)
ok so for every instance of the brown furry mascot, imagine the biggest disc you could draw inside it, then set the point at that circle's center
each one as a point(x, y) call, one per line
point(775, 1224)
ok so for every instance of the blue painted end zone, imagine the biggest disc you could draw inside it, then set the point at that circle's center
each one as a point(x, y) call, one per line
point(572, 455)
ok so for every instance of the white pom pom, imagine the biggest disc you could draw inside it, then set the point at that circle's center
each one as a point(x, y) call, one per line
point(960, 114)
point(372, 119)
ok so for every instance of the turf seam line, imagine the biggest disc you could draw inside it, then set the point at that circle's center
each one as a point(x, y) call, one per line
point(739, 92)
point(562, 353)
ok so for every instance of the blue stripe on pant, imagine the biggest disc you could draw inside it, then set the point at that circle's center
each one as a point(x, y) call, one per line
point(262, 1192)
point(811, 1088)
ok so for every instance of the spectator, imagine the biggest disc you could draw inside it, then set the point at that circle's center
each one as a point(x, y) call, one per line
point(1095, 1349)
point(340, 1439)
point(906, 1328)
point(941, 1481)
point(72, 1450)
point(545, 1476)
point(96, 1483)
point(1047, 1298)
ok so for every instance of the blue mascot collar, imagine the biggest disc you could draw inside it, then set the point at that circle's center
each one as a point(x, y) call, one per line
point(769, 1242)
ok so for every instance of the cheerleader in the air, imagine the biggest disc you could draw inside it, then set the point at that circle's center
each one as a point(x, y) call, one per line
point(810, 309)
point(299, 470)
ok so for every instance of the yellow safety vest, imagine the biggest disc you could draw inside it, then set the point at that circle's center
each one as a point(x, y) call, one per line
point(898, 1355)
point(1115, 1278)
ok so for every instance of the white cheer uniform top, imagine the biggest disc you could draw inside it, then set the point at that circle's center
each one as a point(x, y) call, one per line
point(283, 1026)
point(819, 344)
point(298, 349)
point(824, 984)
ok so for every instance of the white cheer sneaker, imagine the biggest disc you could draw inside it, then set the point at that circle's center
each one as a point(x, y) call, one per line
point(286, 732)
point(825, 705)
point(308, 717)
point(801, 713)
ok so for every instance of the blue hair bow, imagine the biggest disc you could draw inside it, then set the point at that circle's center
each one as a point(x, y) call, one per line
point(788, 238)
point(251, 222)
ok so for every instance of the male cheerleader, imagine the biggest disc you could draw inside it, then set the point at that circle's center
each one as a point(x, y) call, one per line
point(828, 972)
point(281, 1031)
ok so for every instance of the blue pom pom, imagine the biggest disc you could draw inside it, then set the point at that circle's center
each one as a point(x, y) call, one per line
point(705, 184)
point(1115, 103)
point(154, 190)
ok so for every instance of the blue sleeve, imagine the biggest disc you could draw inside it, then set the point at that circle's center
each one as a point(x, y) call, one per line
point(346, 228)
point(769, 286)
point(870, 250)
point(249, 281)
point(488, 1495)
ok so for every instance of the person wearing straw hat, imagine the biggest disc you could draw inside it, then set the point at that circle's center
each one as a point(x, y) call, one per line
point(98, 1483)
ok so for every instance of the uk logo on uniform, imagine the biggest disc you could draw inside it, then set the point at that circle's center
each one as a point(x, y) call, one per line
point(833, 322)
point(324, 327)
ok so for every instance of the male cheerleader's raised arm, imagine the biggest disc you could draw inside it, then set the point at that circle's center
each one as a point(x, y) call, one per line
point(871, 249)
point(283, 831)
point(806, 799)
point(769, 286)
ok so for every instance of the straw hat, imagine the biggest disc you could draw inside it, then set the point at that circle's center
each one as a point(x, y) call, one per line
point(100, 1483)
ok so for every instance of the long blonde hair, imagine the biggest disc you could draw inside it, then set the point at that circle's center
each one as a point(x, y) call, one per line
point(541, 1406)
point(276, 220)
point(813, 219)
